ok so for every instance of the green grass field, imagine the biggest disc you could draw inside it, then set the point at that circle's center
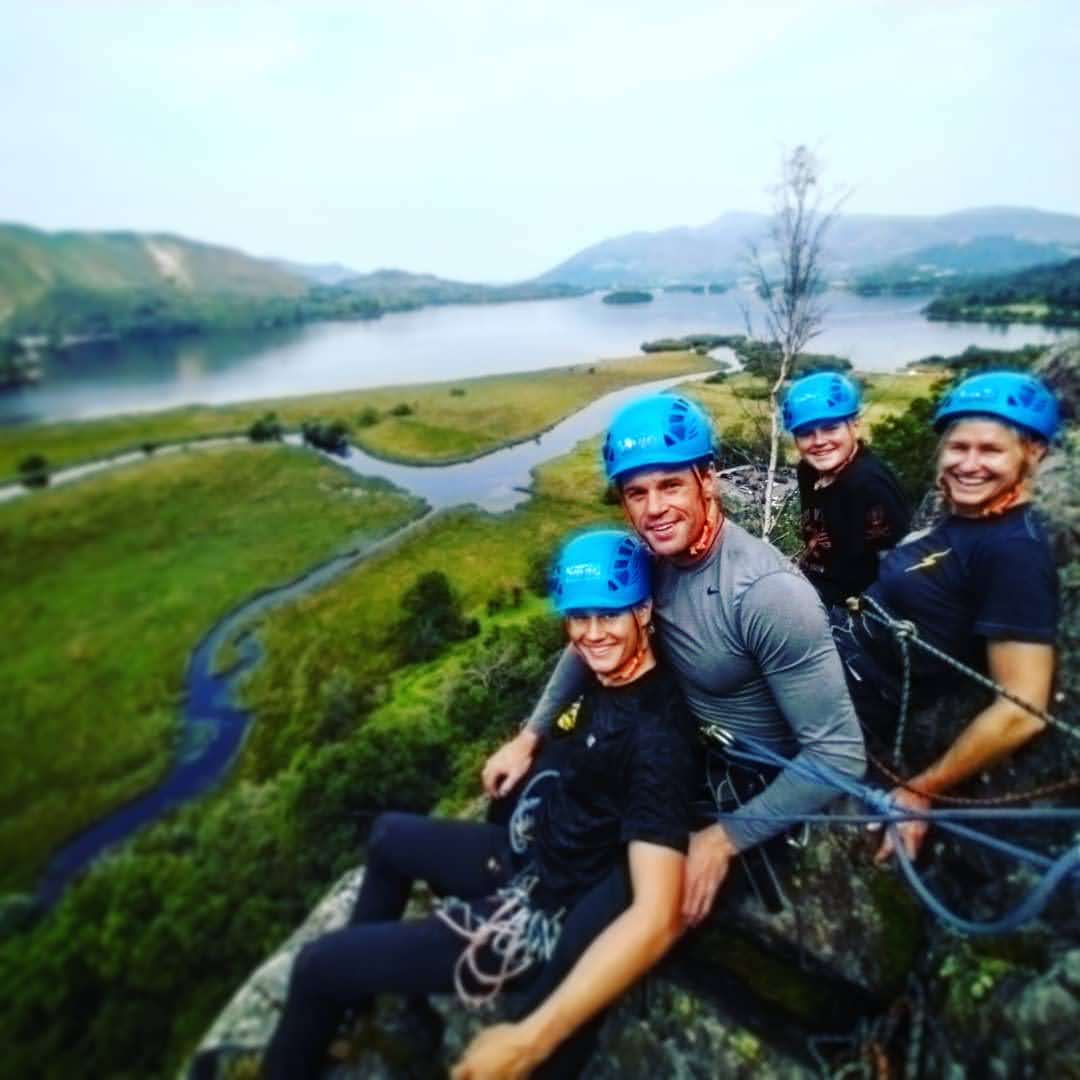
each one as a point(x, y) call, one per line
point(445, 424)
point(107, 586)
point(110, 583)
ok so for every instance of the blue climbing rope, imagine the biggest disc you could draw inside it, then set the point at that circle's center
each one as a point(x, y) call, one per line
point(882, 810)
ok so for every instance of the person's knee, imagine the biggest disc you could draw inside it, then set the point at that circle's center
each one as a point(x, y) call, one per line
point(387, 834)
point(309, 969)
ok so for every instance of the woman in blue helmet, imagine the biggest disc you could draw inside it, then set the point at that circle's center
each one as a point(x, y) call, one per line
point(980, 586)
point(621, 799)
point(852, 508)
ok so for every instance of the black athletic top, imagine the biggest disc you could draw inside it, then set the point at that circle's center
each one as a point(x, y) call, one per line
point(628, 772)
point(845, 525)
point(963, 583)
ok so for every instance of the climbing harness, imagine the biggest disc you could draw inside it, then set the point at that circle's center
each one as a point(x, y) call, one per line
point(731, 792)
point(516, 934)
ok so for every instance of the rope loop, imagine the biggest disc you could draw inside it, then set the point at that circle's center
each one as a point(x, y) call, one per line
point(516, 935)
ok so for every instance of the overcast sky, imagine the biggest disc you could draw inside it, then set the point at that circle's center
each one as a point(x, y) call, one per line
point(490, 140)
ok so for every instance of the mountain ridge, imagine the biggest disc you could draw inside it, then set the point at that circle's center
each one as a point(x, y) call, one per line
point(856, 242)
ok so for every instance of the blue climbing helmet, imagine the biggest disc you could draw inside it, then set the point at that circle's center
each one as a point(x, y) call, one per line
point(1013, 396)
point(601, 570)
point(658, 431)
point(823, 397)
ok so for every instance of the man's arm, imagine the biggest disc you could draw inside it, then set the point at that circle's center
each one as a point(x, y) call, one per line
point(787, 633)
point(511, 761)
point(1025, 669)
point(629, 946)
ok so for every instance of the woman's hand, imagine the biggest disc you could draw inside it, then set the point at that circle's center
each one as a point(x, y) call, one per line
point(501, 1052)
point(509, 763)
point(912, 833)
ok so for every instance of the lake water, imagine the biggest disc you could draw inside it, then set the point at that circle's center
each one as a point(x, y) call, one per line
point(876, 334)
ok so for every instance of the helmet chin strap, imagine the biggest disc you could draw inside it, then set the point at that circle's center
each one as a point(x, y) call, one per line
point(714, 522)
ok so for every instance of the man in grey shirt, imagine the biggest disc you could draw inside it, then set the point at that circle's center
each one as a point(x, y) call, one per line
point(744, 632)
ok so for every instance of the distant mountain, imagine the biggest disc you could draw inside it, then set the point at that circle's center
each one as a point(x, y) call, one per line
point(67, 289)
point(33, 263)
point(316, 273)
point(856, 243)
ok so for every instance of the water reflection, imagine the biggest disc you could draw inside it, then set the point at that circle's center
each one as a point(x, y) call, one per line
point(879, 333)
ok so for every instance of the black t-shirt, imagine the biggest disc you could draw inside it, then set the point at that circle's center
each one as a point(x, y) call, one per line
point(846, 524)
point(962, 583)
point(627, 773)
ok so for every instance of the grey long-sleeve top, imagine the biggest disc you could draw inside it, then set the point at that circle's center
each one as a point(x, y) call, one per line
point(749, 642)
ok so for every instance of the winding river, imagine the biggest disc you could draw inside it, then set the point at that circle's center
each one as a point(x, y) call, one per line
point(212, 724)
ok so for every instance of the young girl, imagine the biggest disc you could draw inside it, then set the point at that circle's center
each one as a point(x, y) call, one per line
point(853, 508)
point(622, 796)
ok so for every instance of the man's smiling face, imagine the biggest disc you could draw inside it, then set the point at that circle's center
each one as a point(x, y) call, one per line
point(668, 508)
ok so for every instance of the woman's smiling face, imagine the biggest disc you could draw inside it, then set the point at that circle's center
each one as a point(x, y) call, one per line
point(981, 459)
point(606, 641)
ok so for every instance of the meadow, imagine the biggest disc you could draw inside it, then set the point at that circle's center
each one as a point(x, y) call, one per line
point(108, 585)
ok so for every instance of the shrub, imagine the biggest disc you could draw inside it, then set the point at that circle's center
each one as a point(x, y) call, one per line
point(457, 391)
point(538, 569)
point(367, 417)
point(326, 435)
point(432, 618)
point(266, 429)
point(908, 443)
point(34, 471)
point(402, 409)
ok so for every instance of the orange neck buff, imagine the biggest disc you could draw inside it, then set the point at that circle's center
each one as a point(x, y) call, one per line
point(714, 522)
point(641, 662)
point(1000, 504)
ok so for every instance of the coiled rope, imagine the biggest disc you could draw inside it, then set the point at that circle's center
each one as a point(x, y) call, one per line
point(515, 933)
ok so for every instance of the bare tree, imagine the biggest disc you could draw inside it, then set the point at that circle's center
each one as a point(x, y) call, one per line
point(790, 282)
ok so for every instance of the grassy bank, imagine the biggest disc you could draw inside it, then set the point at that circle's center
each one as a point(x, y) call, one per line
point(108, 585)
point(444, 420)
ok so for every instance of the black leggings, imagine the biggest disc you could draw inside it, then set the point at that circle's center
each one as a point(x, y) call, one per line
point(378, 953)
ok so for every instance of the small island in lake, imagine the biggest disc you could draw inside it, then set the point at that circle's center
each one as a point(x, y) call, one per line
point(628, 296)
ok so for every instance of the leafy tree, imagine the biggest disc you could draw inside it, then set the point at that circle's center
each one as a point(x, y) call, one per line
point(538, 570)
point(432, 618)
point(908, 443)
